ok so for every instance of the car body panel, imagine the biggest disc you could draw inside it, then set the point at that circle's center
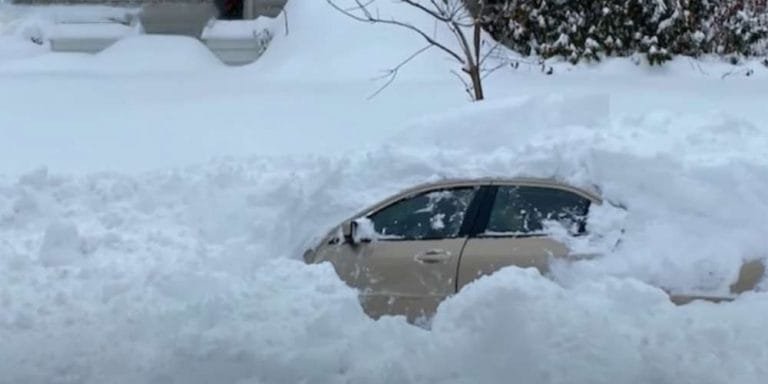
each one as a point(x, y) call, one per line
point(412, 277)
point(398, 277)
point(485, 255)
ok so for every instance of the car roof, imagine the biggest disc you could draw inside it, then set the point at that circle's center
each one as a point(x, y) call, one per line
point(592, 195)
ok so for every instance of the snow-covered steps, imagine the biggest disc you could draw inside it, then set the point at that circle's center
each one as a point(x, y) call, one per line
point(237, 42)
point(233, 42)
point(235, 51)
point(88, 37)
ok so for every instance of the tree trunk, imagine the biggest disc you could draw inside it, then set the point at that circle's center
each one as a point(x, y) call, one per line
point(477, 83)
point(474, 69)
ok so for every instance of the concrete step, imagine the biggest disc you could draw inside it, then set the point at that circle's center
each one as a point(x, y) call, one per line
point(235, 51)
point(186, 19)
point(234, 43)
point(88, 37)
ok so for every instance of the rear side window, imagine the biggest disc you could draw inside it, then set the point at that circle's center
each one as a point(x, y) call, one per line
point(431, 215)
point(519, 210)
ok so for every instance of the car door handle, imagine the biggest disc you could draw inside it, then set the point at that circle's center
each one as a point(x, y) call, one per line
point(433, 256)
point(582, 256)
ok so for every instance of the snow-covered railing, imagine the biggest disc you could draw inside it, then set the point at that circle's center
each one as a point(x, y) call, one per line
point(234, 42)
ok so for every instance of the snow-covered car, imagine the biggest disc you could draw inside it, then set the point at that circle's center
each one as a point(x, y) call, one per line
point(409, 252)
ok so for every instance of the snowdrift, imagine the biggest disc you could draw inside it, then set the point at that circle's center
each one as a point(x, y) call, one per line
point(193, 275)
point(322, 45)
point(132, 257)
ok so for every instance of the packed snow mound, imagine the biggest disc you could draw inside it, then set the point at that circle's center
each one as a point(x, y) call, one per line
point(15, 47)
point(190, 273)
point(157, 52)
point(575, 118)
point(508, 122)
point(139, 54)
point(517, 324)
point(709, 169)
point(193, 275)
point(341, 48)
point(39, 22)
point(21, 27)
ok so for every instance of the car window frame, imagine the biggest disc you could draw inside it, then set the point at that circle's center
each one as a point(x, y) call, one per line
point(470, 216)
point(486, 207)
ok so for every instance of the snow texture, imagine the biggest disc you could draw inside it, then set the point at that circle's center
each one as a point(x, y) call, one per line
point(152, 221)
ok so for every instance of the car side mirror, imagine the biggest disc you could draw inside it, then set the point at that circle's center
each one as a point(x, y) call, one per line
point(346, 229)
point(361, 231)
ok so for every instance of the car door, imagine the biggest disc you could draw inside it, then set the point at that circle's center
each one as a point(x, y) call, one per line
point(510, 229)
point(411, 264)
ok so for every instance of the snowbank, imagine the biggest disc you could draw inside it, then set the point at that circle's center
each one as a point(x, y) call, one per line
point(39, 22)
point(334, 45)
point(157, 53)
point(127, 56)
point(195, 271)
point(14, 47)
point(143, 267)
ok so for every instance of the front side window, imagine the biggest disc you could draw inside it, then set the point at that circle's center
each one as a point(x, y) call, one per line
point(519, 210)
point(431, 215)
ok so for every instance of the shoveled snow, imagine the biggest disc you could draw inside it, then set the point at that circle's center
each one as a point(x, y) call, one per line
point(85, 30)
point(237, 29)
point(152, 220)
point(140, 54)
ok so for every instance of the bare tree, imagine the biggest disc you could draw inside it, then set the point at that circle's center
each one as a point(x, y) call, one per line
point(462, 18)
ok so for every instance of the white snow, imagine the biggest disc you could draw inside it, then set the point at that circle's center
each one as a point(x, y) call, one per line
point(61, 245)
point(238, 29)
point(154, 207)
point(102, 30)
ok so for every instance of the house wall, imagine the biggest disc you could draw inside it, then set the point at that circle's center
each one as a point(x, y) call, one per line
point(257, 7)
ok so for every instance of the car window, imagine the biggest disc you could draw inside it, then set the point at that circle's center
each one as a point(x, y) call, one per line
point(431, 215)
point(523, 210)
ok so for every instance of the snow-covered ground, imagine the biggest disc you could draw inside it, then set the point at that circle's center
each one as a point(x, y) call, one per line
point(154, 205)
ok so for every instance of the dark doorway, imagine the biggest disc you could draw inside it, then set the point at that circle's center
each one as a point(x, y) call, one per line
point(230, 9)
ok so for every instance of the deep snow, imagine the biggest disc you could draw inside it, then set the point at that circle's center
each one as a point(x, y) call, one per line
point(128, 255)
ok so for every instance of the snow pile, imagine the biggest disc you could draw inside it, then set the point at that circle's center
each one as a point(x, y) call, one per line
point(157, 53)
point(516, 324)
point(127, 56)
point(708, 169)
point(192, 275)
point(61, 245)
point(315, 48)
point(107, 30)
point(142, 268)
point(15, 47)
point(32, 26)
point(25, 34)
point(16, 34)
point(238, 29)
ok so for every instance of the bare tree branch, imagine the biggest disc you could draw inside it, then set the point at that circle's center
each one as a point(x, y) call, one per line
point(370, 19)
point(467, 86)
point(488, 72)
point(464, 45)
point(359, 6)
point(489, 53)
point(392, 73)
point(440, 14)
point(458, 18)
point(285, 15)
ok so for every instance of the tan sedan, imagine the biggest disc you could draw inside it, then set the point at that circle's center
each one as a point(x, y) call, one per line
point(409, 252)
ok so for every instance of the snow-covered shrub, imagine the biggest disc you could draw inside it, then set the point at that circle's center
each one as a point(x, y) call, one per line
point(589, 29)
